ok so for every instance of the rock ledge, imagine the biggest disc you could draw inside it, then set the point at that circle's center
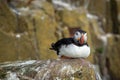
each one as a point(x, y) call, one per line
point(65, 69)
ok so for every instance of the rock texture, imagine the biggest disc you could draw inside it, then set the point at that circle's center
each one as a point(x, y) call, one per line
point(35, 24)
point(66, 69)
point(112, 57)
point(26, 30)
point(28, 27)
point(15, 48)
point(108, 11)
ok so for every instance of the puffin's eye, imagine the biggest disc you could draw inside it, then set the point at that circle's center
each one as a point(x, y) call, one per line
point(76, 33)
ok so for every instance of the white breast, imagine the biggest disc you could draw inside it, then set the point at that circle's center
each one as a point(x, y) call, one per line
point(75, 51)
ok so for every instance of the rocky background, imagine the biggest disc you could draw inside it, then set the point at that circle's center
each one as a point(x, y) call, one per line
point(28, 27)
point(66, 69)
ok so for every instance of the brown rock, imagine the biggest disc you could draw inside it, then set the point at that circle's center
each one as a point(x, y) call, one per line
point(11, 22)
point(13, 48)
point(112, 57)
point(67, 69)
point(77, 69)
point(41, 27)
point(45, 33)
point(35, 25)
point(7, 18)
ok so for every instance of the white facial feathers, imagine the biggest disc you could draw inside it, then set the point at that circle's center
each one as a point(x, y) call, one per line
point(77, 35)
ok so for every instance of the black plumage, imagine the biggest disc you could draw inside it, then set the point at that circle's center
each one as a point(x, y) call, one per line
point(65, 41)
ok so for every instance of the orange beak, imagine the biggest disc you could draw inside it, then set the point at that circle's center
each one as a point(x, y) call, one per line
point(82, 40)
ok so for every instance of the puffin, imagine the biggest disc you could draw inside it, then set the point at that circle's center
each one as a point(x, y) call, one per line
point(73, 47)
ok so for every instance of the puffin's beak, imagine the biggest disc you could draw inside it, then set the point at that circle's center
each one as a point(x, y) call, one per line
point(78, 39)
point(82, 39)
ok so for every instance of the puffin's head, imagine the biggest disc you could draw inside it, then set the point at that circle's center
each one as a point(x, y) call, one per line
point(80, 36)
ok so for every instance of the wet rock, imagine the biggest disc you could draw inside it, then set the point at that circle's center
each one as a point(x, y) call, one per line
point(50, 70)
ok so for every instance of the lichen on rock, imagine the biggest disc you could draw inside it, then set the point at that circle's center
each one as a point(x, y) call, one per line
point(67, 69)
point(63, 69)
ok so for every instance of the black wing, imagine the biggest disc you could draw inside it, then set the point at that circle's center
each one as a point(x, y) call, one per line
point(65, 41)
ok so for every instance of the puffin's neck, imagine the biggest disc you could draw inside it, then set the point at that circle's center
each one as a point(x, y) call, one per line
point(75, 41)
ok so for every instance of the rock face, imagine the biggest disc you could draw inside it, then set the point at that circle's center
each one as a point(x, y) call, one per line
point(112, 57)
point(28, 32)
point(109, 11)
point(66, 69)
point(38, 23)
